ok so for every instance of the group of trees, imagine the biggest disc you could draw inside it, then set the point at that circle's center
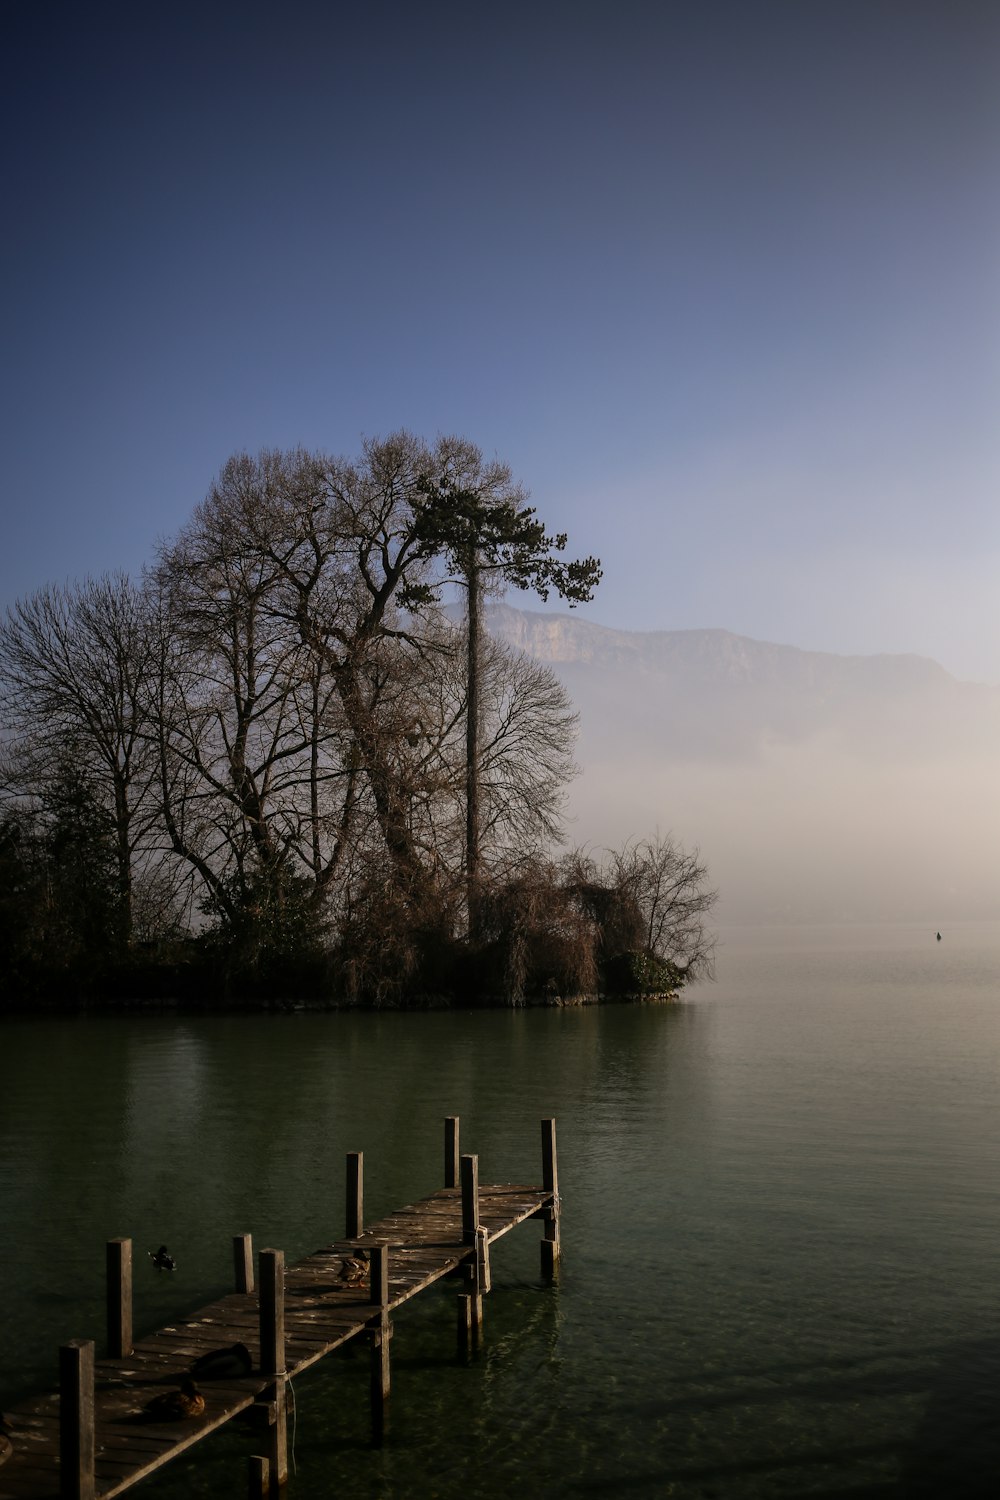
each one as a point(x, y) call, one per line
point(277, 763)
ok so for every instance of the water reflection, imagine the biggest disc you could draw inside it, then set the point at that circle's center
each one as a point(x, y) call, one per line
point(779, 1223)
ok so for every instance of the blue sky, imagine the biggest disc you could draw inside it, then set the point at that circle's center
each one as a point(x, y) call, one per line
point(721, 281)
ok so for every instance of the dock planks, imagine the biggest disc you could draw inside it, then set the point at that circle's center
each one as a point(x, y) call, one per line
point(426, 1241)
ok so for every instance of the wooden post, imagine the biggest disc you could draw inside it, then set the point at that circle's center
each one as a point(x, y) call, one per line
point(451, 1151)
point(378, 1278)
point(259, 1478)
point(77, 1443)
point(272, 1359)
point(470, 1198)
point(483, 1260)
point(466, 1325)
point(272, 1312)
point(470, 1303)
point(243, 1262)
point(470, 1310)
point(119, 1298)
point(277, 1462)
point(381, 1333)
point(355, 1194)
point(550, 1181)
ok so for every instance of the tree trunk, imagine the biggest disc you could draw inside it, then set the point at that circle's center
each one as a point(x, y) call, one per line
point(124, 858)
point(391, 803)
point(474, 586)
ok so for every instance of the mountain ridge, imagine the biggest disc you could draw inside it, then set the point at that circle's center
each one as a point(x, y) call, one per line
point(560, 637)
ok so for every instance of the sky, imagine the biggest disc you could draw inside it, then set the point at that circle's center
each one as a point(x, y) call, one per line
point(721, 282)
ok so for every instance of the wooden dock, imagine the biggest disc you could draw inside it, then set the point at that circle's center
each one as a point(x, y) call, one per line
point(92, 1438)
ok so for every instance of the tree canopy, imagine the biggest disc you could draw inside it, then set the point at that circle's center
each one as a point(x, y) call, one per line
point(276, 761)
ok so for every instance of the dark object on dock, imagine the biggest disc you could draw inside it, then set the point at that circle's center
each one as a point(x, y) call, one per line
point(223, 1364)
point(353, 1270)
point(162, 1259)
point(173, 1406)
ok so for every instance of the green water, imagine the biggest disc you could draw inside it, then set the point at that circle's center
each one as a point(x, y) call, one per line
point(780, 1229)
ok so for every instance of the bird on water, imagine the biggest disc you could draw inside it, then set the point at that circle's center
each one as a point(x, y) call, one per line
point(171, 1406)
point(224, 1364)
point(939, 937)
point(162, 1259)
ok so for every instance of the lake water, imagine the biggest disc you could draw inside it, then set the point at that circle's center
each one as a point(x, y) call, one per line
point(781, 1222)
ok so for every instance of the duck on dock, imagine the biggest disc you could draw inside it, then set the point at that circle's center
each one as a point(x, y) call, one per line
point(353, 1269)
point(170, 1406)
point(223, 1364)
point(162, 1259)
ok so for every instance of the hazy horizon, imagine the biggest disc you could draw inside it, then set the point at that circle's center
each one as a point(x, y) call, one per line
point(818, 788)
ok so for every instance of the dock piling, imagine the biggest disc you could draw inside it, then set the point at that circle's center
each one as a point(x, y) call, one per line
point(483, 1260)
point(259, 1477)
point(470, 1198)
point(550, 1249)
point(470, 1312)
point(243, 1262)
point(381, 1333)
point(355, 1194)
point(272, 1312)
point(119, 1298)
point(77, 1444)
point(272, 1360)
point(470, 1303)
point(451, 1151)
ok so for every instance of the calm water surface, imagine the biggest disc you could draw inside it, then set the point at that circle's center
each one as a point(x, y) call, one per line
point(781, 1221)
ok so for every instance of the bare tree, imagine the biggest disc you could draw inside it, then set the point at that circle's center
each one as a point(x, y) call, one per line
point(74, 673)
point(527, 734)
point(255, 786)
point(669, 886)
point(313, 698)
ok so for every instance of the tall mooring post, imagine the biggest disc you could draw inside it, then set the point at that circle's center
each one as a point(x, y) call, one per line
point(355, 1217)
point(470, 1302)
point(470, 1199)
point(77, 1444)
point(380, 1334)
point(119, 1298)
point(550, 1181)
point(243, 1262)
point(451, 1151)
point(272, 1362)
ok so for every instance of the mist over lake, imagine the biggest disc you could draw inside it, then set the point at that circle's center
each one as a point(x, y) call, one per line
point(818, 787)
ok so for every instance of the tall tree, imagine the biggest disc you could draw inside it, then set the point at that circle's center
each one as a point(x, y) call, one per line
point(351, 558)
point(254, 788)
point(475, 517)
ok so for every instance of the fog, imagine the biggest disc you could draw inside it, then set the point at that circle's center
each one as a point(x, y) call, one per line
point(818, 788)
